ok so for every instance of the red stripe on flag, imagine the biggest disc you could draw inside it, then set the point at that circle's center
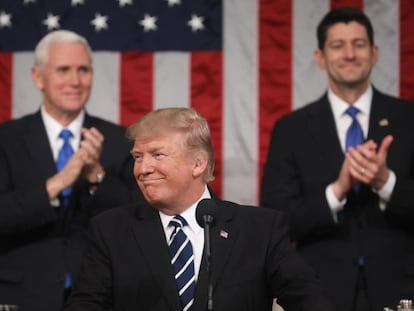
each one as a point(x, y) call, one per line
point(406, 50)
point(207, 98)
point(359, 4)
point(136, 86)
point(6, 77)
point(275, 62)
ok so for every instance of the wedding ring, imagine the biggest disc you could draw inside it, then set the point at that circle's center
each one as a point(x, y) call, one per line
point(362, 171)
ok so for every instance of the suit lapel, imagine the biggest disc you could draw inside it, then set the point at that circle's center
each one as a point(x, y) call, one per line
point(150, 238)
point(379, 120)
point(322, 128)
point(42, 155)
point(88, 121)
point(223, 236)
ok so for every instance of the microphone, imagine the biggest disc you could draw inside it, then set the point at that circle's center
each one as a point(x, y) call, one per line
point(206, 217)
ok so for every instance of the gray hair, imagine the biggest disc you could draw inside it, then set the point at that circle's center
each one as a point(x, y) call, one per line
point(185, 120)
point(58, 36)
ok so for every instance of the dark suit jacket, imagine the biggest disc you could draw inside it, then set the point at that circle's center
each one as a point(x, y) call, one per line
point(127, 266)
point(39, 242)
point(304, 157)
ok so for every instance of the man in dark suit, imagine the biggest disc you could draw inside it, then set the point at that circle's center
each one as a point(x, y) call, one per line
point(128, 265)
point(42, 239)
point(350, 209)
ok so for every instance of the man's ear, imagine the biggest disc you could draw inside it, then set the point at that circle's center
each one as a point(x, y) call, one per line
point(37, 78)
point(375, 54)
point(319, 58)
point(200, 162)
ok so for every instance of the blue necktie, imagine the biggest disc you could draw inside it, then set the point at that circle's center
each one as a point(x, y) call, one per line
point(182, 260)
point(354, 135)
point(63, 157)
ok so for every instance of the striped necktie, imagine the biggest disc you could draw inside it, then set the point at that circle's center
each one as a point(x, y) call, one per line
point(182, 260)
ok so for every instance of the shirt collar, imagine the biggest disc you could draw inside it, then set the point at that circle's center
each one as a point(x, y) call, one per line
point(339, 106)
point(53, 127)
point(188, 214)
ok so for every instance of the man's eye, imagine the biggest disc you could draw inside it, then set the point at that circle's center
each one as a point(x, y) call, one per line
point(360, 45)
point(84, 69)
point(62, 69)
point(336, 46)
point(158, 155)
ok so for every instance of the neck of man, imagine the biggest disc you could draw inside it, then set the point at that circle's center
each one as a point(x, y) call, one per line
point(349, 92)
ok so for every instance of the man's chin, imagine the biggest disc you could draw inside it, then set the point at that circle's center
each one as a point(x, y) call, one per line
point(73, 107)
point(352, 82)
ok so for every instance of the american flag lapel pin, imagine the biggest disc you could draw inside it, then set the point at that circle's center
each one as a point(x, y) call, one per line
point(224, 234)
point(383, 122)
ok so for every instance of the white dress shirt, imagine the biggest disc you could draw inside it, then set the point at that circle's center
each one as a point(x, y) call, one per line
point(53, 129)
point(342, 122)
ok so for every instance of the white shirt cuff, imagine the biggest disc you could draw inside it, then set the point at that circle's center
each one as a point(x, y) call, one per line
point(385, 192)
point(334, 204)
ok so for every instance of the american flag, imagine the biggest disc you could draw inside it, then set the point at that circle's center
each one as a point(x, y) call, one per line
point(224, 234)
point(241, 63)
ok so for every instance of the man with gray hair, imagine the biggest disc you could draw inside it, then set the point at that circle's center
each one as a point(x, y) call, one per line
point(59, 167)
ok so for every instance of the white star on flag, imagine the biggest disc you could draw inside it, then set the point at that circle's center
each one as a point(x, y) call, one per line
point(173, 2)
point(100, 22)
point(76, 2)
point(196, 23)
point(52, 21)
point(148, 22)
point(122, 3)
point(5, 19)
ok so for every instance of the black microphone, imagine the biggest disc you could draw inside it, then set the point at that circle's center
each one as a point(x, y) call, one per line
point(206, 217)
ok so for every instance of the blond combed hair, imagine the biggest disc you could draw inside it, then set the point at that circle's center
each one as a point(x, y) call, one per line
point(184, 120)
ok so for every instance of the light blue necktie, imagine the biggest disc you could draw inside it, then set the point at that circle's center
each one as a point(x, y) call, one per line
point(182, 260)
point(63, 157)
point(354, 135)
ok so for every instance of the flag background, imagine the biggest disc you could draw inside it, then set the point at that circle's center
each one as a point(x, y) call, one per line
point(251, 64)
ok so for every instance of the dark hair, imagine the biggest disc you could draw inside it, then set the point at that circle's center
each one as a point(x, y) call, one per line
point(343, 15)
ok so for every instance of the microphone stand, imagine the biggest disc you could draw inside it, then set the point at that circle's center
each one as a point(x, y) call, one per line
point(208, 221)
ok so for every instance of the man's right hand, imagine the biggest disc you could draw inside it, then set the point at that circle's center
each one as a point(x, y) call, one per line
point(67, 176)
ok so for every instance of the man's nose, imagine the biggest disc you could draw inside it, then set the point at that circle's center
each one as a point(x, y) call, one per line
point(147, 165)
point(74, 78)
point(349, 51)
